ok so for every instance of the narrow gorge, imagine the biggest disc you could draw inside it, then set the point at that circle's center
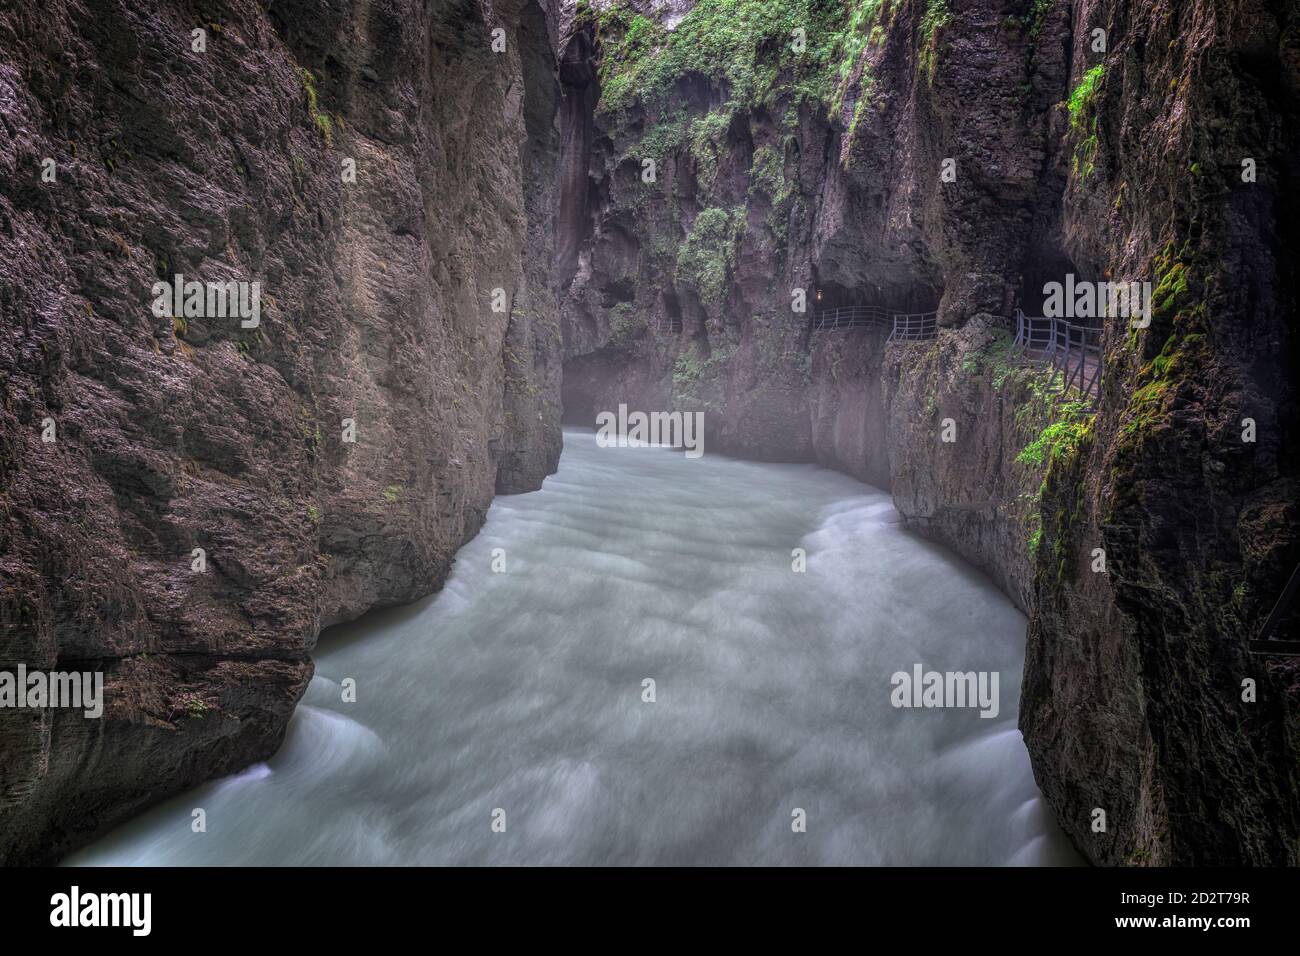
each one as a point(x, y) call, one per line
point(827, 228)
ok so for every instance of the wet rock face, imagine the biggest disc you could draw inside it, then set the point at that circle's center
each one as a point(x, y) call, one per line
point(181, 432)
point(675, 280)
point(927, 421)
point(913, 175)
point(191, 432)
point(1134, 680)
point(1124, 162)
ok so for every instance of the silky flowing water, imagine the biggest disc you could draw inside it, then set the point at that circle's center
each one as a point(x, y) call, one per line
point(522, 692)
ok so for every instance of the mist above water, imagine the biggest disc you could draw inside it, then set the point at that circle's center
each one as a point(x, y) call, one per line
point(523, 691)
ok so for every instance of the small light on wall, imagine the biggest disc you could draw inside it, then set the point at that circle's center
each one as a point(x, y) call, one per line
point(819, 295)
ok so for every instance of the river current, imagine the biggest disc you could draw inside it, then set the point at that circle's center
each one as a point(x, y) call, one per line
point(508, 719)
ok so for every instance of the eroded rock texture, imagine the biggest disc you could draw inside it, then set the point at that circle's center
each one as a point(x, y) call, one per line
point(182, 433)
point(1133, 688)
point(703, 170)
point(823, 170)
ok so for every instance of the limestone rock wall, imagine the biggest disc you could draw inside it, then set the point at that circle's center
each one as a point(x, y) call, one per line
point(182, 433)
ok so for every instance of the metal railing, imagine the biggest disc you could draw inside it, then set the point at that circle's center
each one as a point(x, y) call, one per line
point(914, 326)
point(904, 326)
point(1269, 641)
point(851, 317)
point(1072, 348)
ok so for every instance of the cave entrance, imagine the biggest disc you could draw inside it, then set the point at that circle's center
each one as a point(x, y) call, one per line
point(891, 297)
point(832, 295)
point(671, 317)
point(1058, 316)
point(1047, 264)
point(913, 304)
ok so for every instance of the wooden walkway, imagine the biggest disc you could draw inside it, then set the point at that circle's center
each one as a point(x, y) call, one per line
point(1072, 348)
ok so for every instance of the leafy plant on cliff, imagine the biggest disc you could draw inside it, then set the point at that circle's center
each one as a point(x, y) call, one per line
point(767, 172)
point(1061, 438)
point(937, 15)
point(704, 137)
point(999, 357)
point(709, 253)
point(1057, 453)
point(192, 704)
point(1062, 428)
point(1035, 535)
point(627, 326)
point(324, 124)
point(1083, 95)
point(1083, 121)
point(686, 375)
point(698, 383)
point(1031, 19)
point(741, 45)
point(860, 32)
point(1175, 308)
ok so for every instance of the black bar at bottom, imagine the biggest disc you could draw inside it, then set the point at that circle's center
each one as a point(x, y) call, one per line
point(213, 906)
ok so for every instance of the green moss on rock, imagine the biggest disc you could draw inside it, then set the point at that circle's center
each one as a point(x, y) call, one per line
point(1083, 121)
point(708, 254)
point(748, 45)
